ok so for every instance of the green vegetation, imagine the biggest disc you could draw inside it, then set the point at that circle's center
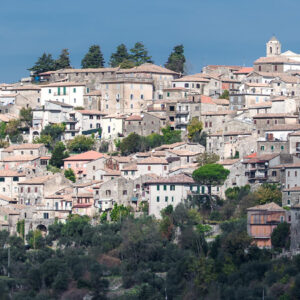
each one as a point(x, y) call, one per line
point(118, 212)
point(81, 143)
point(139, 54)
point(120, 56)
point(25, 116)
point(225, 95)
point(93, 59)
point(194, 128)
point(63, 61)
point(207, 158)
point(281, 236)
point(176, 60)
point(135, 143)
point(269, 193)
point(59, 153)
point(43, 64)
point(69, 174)
point(210, 175)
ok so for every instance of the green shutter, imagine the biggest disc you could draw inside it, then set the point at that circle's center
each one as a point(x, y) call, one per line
point(58, 91)
point(65, 90)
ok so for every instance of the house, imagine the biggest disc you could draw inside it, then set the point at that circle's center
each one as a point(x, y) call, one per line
point(67, 92)
point(78, 162)
point(9, 180)
point(165, 191)
point(34, 190)
point(24, 149)
point(155, 165)
point(80, 122)
point(112, 126)
point(262, 220)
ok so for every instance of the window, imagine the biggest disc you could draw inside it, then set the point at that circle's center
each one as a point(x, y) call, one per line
point(49, 91)
point(198, 86)
point(262, 148)
point(172, 199)
point(107, 192)
point(74, 100)
point(142, 96)
point(46, 215)
point(165, 168)
point(91, 117)
point(125, 172)
point(165, 187)
point(172, 187)
point(274, 173)
point(149, 168)
point(74, 90)
point(157, 199)
point(282, 147)
point(157, 187)
point(22, 189)
point(272, 148)
point(35, 189)
point(288, 173)
point(296, 173)
point(15, 178)
point(168, 94)
point(186, 85)
point(166, 198)
point(124, 192)
point(131, 96)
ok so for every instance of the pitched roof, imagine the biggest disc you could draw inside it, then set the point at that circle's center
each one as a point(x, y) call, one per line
point(256, 84)
point(219, 113)
point(176, 179)
point(134, 118)
point(23, 147)
point(89, 155)
point(272, 115)
point(11, 173)
point(228, 162)
point(37, 180)
point(184, 152)
point(261, 158)
point(90, 112)
point(269, 207)
point(25, 87)
point(276, 59)
point(244, 70)
point(263, 104)
point(130, 167)
point(62, 84)
point(283, 127)
point(148, 68)
point(87, 70)
point(93, 93)
point(207, 100)
point(221, 101)
point(153, 161)
point(59, 103)
point(20, 158)
point(110, 172)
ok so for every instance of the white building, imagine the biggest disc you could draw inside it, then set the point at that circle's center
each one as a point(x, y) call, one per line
point(112, 126)
point(67, 92)
point(165, 191)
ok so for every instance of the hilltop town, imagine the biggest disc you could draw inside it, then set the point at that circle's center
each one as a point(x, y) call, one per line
point(99, 142)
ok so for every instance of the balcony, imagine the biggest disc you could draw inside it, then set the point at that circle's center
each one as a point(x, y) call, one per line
point(134, 199)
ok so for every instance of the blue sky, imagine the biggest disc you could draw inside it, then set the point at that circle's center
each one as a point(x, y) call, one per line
point(212, 31)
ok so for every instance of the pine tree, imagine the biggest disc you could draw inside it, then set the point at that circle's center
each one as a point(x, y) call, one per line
point(176, 60)
point(44, 63)
point(139, 54)
point(119, 56)
point(63, 61)
point(93, 59)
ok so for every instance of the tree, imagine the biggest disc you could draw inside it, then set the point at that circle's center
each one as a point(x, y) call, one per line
point(176, 60)
point(119, 212)
point(126, 64)
point(207, 158)
point(58, 155)
point(44, 63)
point(195, 126)
point(80, 143)
point(171, 136)
point(69, 173)
point(225, 95)
point(267, 193)
point(44, 139)
point(63, 61)
point(12, 129)
point(94, 58)
point(139, 54)
point(210, 175)
point(26, 116)
point(280, 237)
point(119, 56)
point(130, 144)
point(54, 130)
point(2, 130)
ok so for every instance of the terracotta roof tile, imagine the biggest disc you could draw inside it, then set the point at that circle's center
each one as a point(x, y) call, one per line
point(134, 118)
point(61, 84)
point(90, 112)
point(176, 179)
point(20, 158)
point(89, 155)
point(244, 70)
point(11, 173)
point(269, 207)
point(148, 68)
point(37, 180)
point(272, 115)
point(153, 160)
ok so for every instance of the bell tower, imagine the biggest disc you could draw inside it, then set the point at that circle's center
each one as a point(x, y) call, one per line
point(273, 47)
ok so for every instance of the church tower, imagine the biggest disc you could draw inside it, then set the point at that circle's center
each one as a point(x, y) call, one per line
point(273, 47)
